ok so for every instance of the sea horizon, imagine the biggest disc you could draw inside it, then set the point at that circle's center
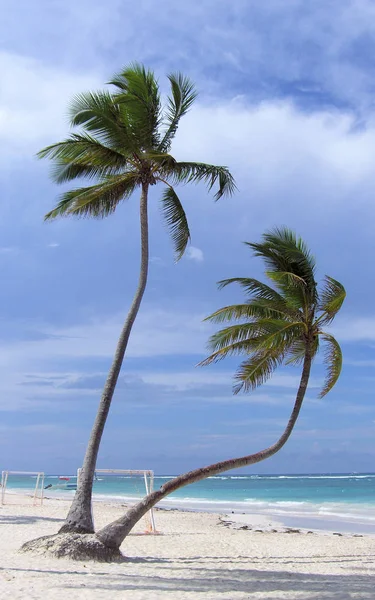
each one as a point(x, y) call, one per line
point(337, 501)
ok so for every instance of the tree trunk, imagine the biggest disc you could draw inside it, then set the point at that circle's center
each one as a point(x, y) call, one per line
point(114, 534)
point(80, 518)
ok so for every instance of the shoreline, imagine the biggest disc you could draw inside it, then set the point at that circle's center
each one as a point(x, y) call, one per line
point(253, 520)
point(253, 523)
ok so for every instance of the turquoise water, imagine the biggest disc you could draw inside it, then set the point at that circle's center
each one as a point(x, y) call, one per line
point(293, 499)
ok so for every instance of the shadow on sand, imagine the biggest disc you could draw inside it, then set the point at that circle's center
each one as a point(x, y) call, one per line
point(26, 519)
point(194, 576)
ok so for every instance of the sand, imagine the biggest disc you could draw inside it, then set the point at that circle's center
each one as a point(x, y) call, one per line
point(198, 555)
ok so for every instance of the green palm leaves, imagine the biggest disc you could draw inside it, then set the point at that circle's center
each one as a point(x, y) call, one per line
point(331, 299)
point(182, 98)
point(280, 323)
point(123, 142)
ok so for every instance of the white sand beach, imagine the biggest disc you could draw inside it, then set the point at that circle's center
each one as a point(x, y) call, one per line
point(197, 555)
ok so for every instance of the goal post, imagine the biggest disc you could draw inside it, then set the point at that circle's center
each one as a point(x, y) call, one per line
point(144, 475)
point(39, 484)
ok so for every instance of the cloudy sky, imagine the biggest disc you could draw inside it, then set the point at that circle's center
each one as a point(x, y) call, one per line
point(287, 102)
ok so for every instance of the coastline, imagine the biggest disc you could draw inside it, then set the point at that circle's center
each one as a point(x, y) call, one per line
point(332, 519)
point(305, 516)
point(197, 556)
point(338, 502)
point(251, 519)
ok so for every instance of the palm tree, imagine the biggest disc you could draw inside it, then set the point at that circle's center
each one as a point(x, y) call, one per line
point(279, 324)
point(123, 143)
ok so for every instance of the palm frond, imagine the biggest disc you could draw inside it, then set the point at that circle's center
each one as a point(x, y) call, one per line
point(276, 310)
point(162, 161)
point(176, 220)
point(262, 334)
point(236, 333)
point(235, 348)
point(286, 279)
point(254, 309)
point(257, 370)
point(297, 351)
point(267, 296)
point(277, 333)
point(235, 312)
point(331, 299)
point(98, 200)
point(333, 362)
point(181, 100)
point(279, 325)
point(138, 93)
point(282, 251)
point(295, 250)
point(253, 286)
point(81, 155)
point(191, 172)
point(293, 288)
point(99, 114)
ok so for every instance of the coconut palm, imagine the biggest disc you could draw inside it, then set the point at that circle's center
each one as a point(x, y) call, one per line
point(123, 144)
point(277, 324)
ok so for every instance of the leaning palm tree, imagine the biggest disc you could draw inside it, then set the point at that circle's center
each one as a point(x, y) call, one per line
point(277, 324)
point(123, 143)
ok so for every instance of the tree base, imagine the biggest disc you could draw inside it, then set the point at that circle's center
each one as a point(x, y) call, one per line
point(74, 546)
point(75, 528)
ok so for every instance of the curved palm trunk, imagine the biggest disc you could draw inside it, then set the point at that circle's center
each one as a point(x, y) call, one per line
point(114, 534)
point(80, 518)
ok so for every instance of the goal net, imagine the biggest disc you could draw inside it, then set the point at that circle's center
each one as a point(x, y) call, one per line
point(127, 484)
point(24, 480)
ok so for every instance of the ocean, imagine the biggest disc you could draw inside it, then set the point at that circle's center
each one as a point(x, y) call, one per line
point(345, 502)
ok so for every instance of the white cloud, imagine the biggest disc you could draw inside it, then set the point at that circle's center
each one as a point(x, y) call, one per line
point(157, 260)
point(344, 434)
point(207, 376)
point(36, 428)
point(157, 332)
point(271, 143)
point(193, 253)
point(356, 409)
point(53, 245)
point(38, 347)
point(27, 124)
point(321, 54)
point(8, 250)
point(275, 143)
point(360, 363)
point(188, 379)
point(355, 329)
point(29, 377)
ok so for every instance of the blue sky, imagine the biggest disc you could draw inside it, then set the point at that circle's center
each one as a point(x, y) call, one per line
point(286, 101)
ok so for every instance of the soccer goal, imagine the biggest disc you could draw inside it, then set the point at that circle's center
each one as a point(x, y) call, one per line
point(129, 483)
point(39, 484)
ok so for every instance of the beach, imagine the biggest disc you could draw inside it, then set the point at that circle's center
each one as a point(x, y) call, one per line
point(197, 555)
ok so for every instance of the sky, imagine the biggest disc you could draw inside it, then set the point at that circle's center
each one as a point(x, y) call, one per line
point(286, 101)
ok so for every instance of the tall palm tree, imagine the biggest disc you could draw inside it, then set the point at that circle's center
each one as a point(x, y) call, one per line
point(123, 143)
point(279, 324)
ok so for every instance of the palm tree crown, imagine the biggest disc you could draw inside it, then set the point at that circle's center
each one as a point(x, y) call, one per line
point(280, 323)
point(123, 142)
